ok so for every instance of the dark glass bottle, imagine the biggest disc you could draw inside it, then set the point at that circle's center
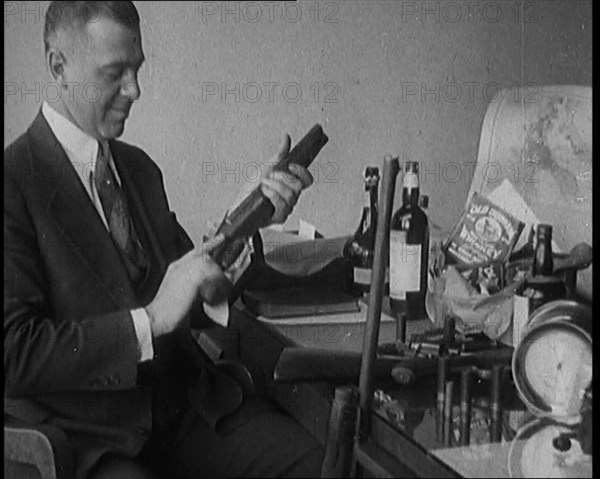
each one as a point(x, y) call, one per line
point(584, 433)
point(543, 263)
point(526, 251)
point(359, 248)
point(409, 250)
point(542, 287)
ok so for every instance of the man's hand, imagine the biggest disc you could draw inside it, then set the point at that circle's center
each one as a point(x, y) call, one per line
point(283, 188)
point(192, 276)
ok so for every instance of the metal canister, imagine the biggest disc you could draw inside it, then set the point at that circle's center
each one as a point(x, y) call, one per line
point(543, 448)
point(552, 365)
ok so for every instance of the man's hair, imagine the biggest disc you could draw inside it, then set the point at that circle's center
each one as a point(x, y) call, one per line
point(63, 15)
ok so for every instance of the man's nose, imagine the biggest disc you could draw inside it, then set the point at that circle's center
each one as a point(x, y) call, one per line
point(131, 90)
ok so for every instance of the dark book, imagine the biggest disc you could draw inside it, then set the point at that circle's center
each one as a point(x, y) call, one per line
point(295, 302)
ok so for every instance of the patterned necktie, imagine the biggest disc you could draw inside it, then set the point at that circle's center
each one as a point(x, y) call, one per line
point(117, 215)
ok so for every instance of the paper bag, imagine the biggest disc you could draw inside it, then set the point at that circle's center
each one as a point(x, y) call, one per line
point(451, 294)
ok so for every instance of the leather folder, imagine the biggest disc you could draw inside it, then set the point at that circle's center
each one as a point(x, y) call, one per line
point(307, 278)
point(300, 301)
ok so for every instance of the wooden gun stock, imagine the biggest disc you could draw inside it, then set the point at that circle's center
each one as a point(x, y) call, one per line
point(314, 364)
point(256, 210)
point(319, 364)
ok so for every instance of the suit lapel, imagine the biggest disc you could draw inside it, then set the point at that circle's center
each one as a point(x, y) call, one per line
point(72, 210)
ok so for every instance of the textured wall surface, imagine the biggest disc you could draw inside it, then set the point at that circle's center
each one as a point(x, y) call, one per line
point(223, 82)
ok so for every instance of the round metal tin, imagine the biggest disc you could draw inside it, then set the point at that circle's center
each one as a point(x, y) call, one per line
point(569, 317)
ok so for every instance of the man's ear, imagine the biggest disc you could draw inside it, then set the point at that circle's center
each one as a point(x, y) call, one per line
point(56, 62)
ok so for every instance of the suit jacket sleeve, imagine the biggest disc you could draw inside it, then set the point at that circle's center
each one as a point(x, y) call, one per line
point(42, 353)
point(185, 244)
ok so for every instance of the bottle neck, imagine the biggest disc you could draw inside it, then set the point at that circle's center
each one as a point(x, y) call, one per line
point(370, 209)
point(543, 264)
point(410, 190)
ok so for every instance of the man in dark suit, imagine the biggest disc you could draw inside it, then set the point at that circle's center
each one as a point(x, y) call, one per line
point(101, 283)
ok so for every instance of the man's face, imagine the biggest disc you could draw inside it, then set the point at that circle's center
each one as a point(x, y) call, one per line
point(103, 63)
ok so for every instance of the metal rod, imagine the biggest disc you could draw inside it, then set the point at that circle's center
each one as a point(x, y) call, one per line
point(465, 406)
point(401, 328)
point(441, 384)
point(382, 239)
point(441, 379)
point(495, 412)
point(448, 392)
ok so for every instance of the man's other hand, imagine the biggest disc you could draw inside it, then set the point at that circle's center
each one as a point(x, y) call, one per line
point(283, 188)
point(193, 276)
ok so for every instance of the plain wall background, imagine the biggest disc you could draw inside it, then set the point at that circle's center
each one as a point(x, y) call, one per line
point(355, 64)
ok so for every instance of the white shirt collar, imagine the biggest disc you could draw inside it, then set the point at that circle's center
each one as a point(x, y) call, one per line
point(79, 145)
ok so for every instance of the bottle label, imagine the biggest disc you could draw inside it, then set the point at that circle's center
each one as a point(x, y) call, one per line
point(362, 276)
point(411, 180)
point(405, 265)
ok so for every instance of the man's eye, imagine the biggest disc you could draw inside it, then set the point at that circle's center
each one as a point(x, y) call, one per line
point(113, 75)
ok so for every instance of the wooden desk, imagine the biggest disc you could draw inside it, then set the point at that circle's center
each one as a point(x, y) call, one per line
point(258, 345)
point(412, 450)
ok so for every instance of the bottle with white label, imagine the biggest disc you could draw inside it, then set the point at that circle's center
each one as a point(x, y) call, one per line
point(409, 250)
point(359, 248)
